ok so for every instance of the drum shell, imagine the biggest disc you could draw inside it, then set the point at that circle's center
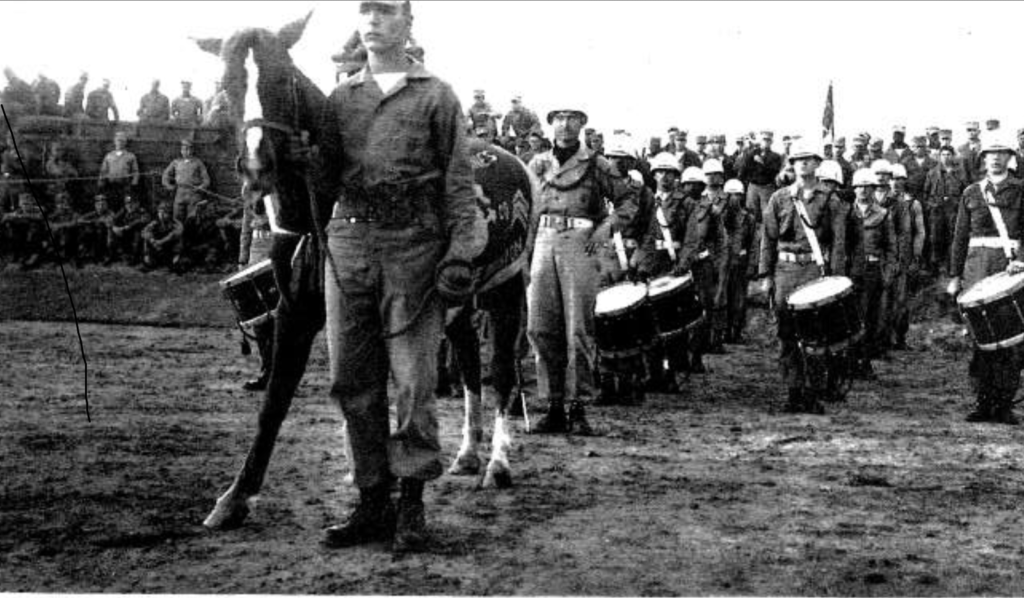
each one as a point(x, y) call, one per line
point(253, 296)
point(829, 324)
point(623, 332)
point(998, 324)
point(675, 311)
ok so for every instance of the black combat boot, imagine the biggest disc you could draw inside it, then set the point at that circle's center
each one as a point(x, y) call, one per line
point(982, 410)
point(372, 521)
point(795, 401)
point(578, 423)
point(811, 403)
point(553, 422)
point(411, 524)
point(1002, 411)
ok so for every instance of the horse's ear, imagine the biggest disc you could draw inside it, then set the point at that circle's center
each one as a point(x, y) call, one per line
point(292, 32)
point(212, 45)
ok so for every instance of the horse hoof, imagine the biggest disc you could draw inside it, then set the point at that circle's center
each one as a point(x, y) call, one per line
point(467, 464)
point(498, 477)
point(230, 513)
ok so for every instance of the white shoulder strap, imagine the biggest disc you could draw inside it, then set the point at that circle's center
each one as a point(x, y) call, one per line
point(812, 237)
point(997, 217)
point(666, 234)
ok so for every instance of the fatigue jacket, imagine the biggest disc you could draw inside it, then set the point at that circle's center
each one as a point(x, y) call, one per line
point(652, 258)
point(705, 232)
point(119, 165)
point(917, 174)
point(974, 220)
point(903, 227)
point(187, 111)
point(187, 176)
point(154, 106)
point(644, 212)
point(943, 186)
point(579, 188)
point(414, 131)
point(522, 122)
point(969, 155)
point(73, 100)
point(784, 232)
point(62, 218)
point(99, 103)
point(163, 231)
point(871, 240)
point(759, 173)
point(136, 220)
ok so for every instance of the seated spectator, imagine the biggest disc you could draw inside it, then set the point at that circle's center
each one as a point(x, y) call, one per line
point(126, 232)
point(162, 241)
point(187, 110)
point(94, 231)
point(47, 94)
point(100, 104)
point(201, 236)
point(64, 226)
point(229, 227)
point(24, 232)
point(154, 107)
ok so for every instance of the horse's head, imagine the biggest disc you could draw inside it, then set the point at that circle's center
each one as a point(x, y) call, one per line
point(270, 102)
point(262, 87)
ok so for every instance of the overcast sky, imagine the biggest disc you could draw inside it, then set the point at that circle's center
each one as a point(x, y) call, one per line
point(643, 66)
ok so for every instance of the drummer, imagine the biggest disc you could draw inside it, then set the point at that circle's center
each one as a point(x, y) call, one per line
point(789, 259)
point(872, 251)
point(990, 211)
point(658, 255)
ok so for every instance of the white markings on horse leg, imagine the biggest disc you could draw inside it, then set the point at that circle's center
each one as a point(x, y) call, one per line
point(499, 472)
point(466, 461)
point(230, 511)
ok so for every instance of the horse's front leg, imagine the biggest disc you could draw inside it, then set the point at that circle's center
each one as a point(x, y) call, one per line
point(294, 334)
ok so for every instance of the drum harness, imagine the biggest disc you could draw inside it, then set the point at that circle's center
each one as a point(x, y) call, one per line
point(997, 217)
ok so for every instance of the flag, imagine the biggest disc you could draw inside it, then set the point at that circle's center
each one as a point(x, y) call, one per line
point(828, 120)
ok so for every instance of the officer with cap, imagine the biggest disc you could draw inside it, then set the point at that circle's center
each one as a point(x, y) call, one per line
point(988, 208)
point(187, 178)
point(570, 223)
point(969, 154)
point(859, 156)
point(520, 120)
point(918, 165)
point(790, 258)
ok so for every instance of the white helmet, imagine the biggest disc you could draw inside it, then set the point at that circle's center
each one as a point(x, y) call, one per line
point(830, 170)
point(693, 175)
point(665, 161)
point(881, 166)
point(899, 171)
point(802, 149)
point(994, 141)
point(713, 166)
point(734, 186)
point(865, 177)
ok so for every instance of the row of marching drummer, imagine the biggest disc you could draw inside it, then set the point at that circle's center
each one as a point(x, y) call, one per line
point(673, 266)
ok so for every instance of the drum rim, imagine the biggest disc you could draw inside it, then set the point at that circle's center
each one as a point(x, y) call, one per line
point(820, 302)
point(624, 309)
point(991, 298)
point(687, 277)
point(843, 344)
point(247, 274)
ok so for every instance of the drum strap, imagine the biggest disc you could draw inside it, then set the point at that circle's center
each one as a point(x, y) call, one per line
point(620, 246)
point(812, 237)
point(666, 234)
point(997, 217)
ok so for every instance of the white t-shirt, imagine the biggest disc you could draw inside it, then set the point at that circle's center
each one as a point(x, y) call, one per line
point(388, 81)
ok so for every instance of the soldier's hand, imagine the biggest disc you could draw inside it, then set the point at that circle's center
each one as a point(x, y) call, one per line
point(954, 287)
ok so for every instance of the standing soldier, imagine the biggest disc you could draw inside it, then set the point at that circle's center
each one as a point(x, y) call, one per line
point(520, 119)
point(990, 224)
point(739, 229)
point(871, 247)
point(404, 231)
point(839, 155)
point(187, 178)
point(898, 149)
point(908, 219)
point(126, 232)
point(942, 191)
point(570, 223)
point(100, 103)
point(47, 96)
point(154, 107)
point(186, 109)
point(757, 168)
point(804, 237)
point(706, 253)
point(74, 97)
point(686, 156)
point(480, 113)
point(918, 165)
point(119, 172)
point(969, 154)
point(859, 156)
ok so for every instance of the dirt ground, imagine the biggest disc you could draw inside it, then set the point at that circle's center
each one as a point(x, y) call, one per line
point(709, 492)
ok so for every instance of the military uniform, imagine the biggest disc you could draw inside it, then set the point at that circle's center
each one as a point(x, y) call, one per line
point(187, 111)
point(969, 156)
point(874, 259)
point(522, 121)
point(977, 253)
point(758, 169)
point(786, 257)
point(917, 173)
point(942, 192)
point(119, 175)
point(98, 105)
point(188, 178)
point(154, 107)
point(25, 233)
point(94, 234)
point(64, 225)
point(740, 224)
point(162, 243)
point(126, 233)
point(47, 93)
point(908, 225)
point(73, 99)
point(570, 214)
point(706, 254)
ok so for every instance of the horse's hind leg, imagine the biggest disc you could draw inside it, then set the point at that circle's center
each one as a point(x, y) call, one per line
point(505, 320)
point(464, 340)
point(293, 340)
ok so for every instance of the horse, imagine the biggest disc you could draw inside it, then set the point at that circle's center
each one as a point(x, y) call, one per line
point(286, 104)
point(289, 105)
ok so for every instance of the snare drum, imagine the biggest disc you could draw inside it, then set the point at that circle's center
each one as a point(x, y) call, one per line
point(675, 305)
point(253, 293)
point(994, 310)
point(825, 314)
point(622, 320)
